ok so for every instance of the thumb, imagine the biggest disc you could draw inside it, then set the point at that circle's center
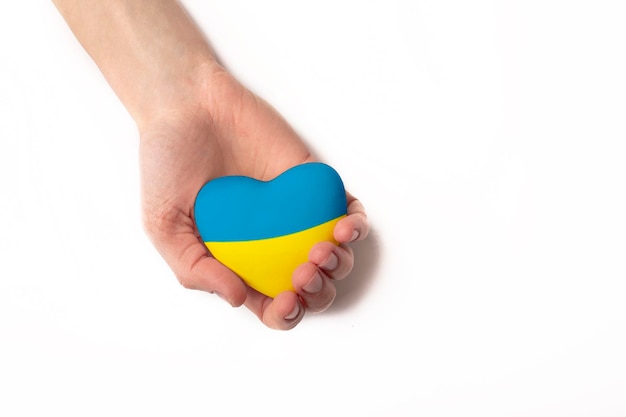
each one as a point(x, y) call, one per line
point(192, 264)
point(206, 273)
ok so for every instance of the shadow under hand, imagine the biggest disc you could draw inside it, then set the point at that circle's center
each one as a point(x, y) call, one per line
point(352, 289)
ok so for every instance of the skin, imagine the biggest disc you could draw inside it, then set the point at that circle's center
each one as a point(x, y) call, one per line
point(197, 122)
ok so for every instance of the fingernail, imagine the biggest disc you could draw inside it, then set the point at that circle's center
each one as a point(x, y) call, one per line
point(355, 236)
point(315, 285)
point(331, 263)
point(294, 313)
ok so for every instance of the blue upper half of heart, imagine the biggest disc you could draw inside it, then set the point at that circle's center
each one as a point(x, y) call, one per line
point(238, 208)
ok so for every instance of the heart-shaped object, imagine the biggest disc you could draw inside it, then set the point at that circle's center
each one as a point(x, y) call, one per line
point(262, 230)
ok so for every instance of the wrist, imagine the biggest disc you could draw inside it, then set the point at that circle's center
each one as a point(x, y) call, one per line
point(150, 51)
point(175, 89)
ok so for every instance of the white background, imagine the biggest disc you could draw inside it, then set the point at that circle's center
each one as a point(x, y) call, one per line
point(485, 138)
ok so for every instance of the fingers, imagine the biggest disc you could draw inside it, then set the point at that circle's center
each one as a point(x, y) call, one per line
point(283, 312)
point(314, 280)
point(314, 286)
point(334, 261)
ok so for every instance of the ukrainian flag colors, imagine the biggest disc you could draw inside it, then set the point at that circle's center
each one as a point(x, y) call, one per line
point(263, 230)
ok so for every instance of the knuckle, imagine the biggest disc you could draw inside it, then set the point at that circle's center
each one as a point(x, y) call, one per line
point(186, 282)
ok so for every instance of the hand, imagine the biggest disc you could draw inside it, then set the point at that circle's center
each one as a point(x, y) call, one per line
point(196, 122)
point(231, 131)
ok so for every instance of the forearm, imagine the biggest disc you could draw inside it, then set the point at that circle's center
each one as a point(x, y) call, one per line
point(150, 51)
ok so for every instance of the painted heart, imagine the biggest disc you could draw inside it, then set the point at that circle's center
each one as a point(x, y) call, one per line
point(262, 230)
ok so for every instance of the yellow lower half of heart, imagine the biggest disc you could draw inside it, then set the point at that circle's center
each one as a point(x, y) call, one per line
point(268, 264)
